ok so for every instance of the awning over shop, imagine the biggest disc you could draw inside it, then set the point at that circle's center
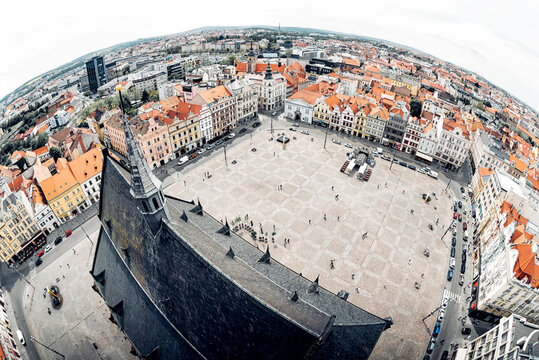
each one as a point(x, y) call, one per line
point(423, 156)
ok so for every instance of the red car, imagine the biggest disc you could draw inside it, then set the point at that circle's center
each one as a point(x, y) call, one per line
point(40, 253)
point(68, 232)
point(460, 217)
point(465, 226)
point(454, 215)
point(192, 156)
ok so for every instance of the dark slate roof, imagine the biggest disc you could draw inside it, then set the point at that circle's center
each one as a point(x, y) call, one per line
point(281, 280)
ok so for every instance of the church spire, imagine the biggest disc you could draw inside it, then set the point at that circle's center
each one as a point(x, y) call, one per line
point(268, 75)
point(145, 186)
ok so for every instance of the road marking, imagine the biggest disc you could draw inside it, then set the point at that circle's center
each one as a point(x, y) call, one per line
point(451, 296)
point(33, 271)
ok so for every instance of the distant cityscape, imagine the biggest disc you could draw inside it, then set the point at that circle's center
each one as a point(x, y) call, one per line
point(109, 138)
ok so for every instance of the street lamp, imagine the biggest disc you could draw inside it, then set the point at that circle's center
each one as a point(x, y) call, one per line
point(45, 346)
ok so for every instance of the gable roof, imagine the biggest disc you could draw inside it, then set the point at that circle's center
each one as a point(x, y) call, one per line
point(87, 165)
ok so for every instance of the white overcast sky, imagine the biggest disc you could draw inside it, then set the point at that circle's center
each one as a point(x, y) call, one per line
point(496, 39)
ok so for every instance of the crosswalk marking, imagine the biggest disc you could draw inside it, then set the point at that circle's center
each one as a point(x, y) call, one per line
point(451, 296)
point(33, 271)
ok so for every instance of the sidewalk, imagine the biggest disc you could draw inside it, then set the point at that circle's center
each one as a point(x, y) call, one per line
point(10, 313)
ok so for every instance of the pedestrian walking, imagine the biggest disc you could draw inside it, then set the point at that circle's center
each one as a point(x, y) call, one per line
point(74, 252)
point(332, 188)
point(352, 276)
point(338, 218)
point(309, 221)
point(331, 264)
point(325, 217)
point(68, 266)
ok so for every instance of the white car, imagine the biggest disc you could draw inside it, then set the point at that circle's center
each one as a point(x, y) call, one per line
point(348, 145)
point(441, 315)
point(48, 248)
point(231, 135)
point(183, 160)
point(296, 124)
point(292, 129)
point(422, 171)
point(304, 132)
point(211, 146)
point(201, 151)
point(335, 141)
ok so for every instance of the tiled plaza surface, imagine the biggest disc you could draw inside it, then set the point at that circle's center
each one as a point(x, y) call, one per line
point(80, 329)
point(380, 271)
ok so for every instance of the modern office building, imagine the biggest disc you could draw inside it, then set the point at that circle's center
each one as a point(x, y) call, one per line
point(95, 68)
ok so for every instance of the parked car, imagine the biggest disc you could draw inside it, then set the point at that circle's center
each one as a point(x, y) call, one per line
point(211, 146)
point(257, 124)
point(395, 160)
point(40, 253)
point(274, 113)
point(292, 129)
point(20, 336)
point(218, 142)
point(464, 196)
point(39, 261)
point(463, 268)
point(402, 163)
point(454, 207)
point(454, 232)
point(68, 233)
point(192, 156)
point(454, 224)
point(183, 160)
point(432, 345)
point(436, 330)
point(386, 158)
point(452, 263)
point(201, 151)
point(462, 190)
point(465, 226)
point(453, 251)
point(242, 130)
point(304, 132)
point(348, 145)
point(231, 136)
point(464, 257)
point(455, 215)
point(450, 275)
point(295, 124)
point(336, 141)
point(422, 171)
point(58, 240)
point(466, 331)
point(412, 167)
point(460, 217)
point(453, 241)
point(48, 248)
point(461, 280)
point(460, 204)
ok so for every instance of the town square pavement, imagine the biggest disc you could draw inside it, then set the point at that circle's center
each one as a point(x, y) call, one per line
point(375, 241)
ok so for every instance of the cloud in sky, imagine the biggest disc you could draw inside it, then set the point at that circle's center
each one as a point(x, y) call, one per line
point(496, 39)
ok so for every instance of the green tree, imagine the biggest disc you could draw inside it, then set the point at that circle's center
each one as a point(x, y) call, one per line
point(42, 140)
point(480, 106)
point(55, 153)
point(416, 107)
point(145, 96)
point(154, 95)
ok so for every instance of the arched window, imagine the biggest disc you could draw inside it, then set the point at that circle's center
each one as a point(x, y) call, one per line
point(145, 206)
point(155, 203)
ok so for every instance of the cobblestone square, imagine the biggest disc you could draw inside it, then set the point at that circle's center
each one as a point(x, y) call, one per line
point(379, 270)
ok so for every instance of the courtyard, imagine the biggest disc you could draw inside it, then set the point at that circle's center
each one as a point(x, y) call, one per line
point(366, 240)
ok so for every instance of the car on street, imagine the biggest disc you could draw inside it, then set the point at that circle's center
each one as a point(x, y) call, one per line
point(463, 268)
point(450, 275)
point(58, 240)
point(395, 160)
point(432, 345)
point(218, 142)
point(192, 156)
point(453, 241)
point(454, 232)
point(411, 167)
point(211, 146)
point(462, 190)
point(336, 141)
point(348, 145)
point(231, 136)
point(455, 215)
point(422, 171)
point(454, 207)
point(452, 251)
point(441, 315)
point(452, 263)
point(465, 226)
point(274, 113)
point(183, 160)
point(466, 331)
point(296, 125)
point(464, 257)
point(40, 253)
point(201, 151)
point(292, 129)
point(460, 204)
point(48, 248)
point(257, 124)
point(461, 280)
point(445, 354)
point(39, 261)
point(454, 224)
point(242, 130)
point(464, 196)
point(304, 132)
point(402, 163)
point(436, 330)
point(460, 217)
point(68, 233)
point(386, 158)
point(20, 336)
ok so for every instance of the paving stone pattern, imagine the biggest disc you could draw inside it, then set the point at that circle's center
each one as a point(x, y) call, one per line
point(385, 264)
